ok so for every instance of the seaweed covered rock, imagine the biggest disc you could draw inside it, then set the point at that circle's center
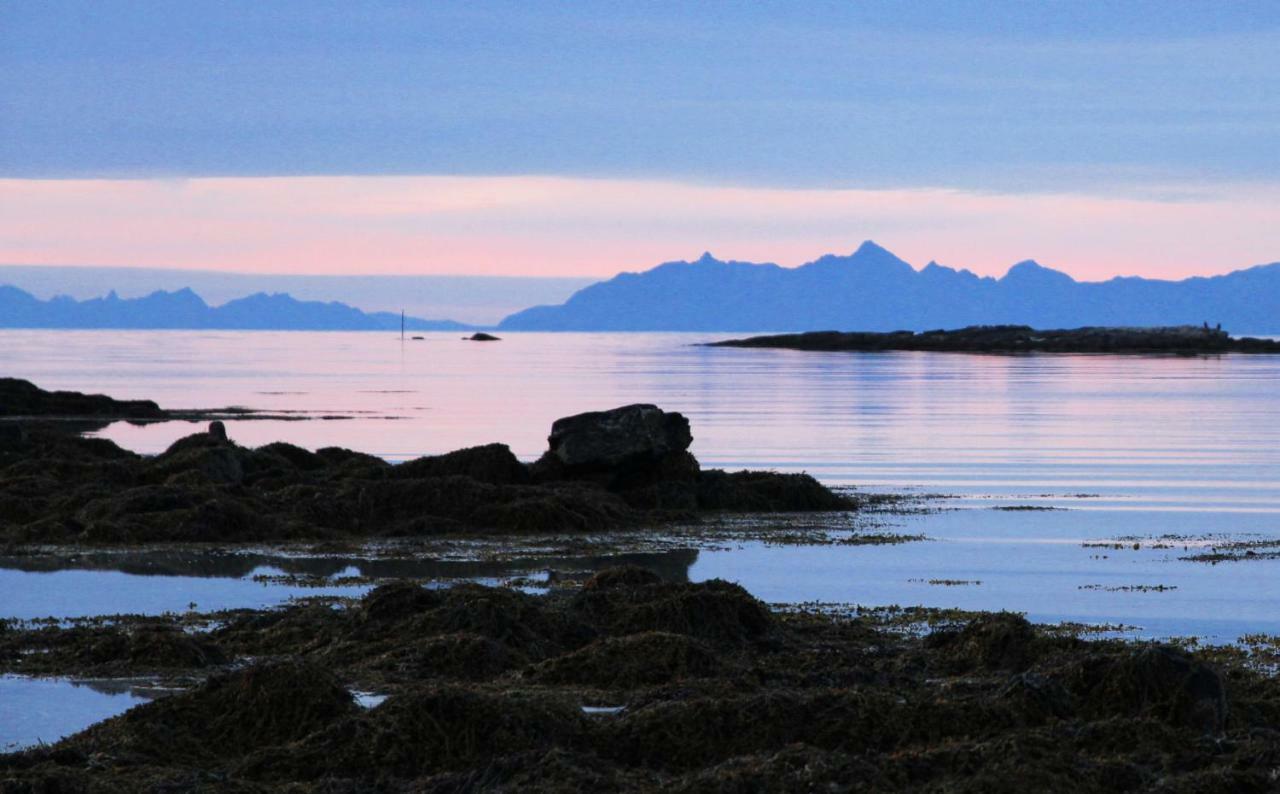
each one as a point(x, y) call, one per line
point(1036, 698)
point(425, 731)
point(486, 689)
point(397, 601)
point(625, 468)
point(462, 656)
point(23, 398)
point(110, 651)
point(1157, 681)
point(491, 463)
point(621, 576)
point(766, 491)
point(213, 463)
point(715, 611)
point(230, 715)
point(519, 621)
point(798, 767)
point(648, 658)
point(994, 641)
point(156, 647)
point(554, 510)
point(697, 732)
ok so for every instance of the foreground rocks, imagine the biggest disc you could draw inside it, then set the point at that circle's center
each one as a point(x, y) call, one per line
point(1183, 339)
point(700, 686)
point(606, 470)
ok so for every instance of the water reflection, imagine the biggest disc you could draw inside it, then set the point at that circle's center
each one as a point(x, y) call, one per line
point(44, 710)
point(1158, 444)
point(154, 582)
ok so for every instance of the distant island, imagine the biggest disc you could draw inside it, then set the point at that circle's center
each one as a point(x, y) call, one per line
point(184, 309)
point(1185, 339)
point(873, 290)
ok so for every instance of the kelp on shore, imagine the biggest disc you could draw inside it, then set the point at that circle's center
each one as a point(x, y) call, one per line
point(703, 688)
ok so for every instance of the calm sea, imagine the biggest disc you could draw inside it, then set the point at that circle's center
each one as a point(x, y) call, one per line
point(1171, 453)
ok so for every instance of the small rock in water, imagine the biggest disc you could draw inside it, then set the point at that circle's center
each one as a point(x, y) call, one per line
point(218, 430)
point(481, 336)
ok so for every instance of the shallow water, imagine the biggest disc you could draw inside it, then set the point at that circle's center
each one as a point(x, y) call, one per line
point(178, 581)
point(44, 710)
point(1159, 445)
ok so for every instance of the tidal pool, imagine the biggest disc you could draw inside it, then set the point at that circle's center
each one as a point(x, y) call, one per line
point(44, 710)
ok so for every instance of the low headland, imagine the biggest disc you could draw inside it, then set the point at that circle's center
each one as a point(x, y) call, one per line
point(623, 682)
point(1181, 339)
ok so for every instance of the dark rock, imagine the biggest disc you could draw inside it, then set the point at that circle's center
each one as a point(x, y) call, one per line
point(633, 436)
point(481, 336)
point(215, 464)
point(644, 659)
point(397, 601)
point(766, 491)
point(491, 463)
point(621, 576)
point(1160, 681)
point(425, 731)
point(461, 656)
point(218, 430)
point(193, 441)
point(261, 706)
point(1182, 339)
point(624, 468)
point(12, 434)
point(1036, 698)
point(995, 641)
point(24, 398)
point(716, 611)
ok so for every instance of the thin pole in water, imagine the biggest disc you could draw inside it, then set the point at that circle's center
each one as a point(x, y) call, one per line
point(402, 325)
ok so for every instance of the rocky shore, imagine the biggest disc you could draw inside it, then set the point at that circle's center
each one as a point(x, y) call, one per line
point(1184, 340)
point(630, 683)
point(605, 470)
point(627, 681)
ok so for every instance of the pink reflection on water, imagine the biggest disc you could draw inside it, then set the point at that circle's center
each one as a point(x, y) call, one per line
point(1197, 427)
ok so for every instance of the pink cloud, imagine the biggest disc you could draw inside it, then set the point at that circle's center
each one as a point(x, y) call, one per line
point(539, 225)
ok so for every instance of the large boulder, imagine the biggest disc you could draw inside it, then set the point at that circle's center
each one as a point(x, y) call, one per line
point(634, 436)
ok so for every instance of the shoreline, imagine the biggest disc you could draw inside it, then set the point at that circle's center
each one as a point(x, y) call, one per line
point(624, 680)
point(627, 682)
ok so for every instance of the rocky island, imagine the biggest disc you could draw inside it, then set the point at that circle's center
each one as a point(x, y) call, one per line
point(603, 470)
point(1182, 339)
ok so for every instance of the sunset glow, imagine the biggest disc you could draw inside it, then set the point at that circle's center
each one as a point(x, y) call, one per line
point(596, 227)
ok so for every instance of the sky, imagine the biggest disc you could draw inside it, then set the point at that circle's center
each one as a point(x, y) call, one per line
point(581, 139)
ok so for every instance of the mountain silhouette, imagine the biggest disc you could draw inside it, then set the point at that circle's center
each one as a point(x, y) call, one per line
point(873, 290)
point(185, 309)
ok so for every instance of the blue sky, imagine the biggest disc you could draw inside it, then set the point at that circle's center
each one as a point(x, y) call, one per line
point(976, 95)
point(1145, 137)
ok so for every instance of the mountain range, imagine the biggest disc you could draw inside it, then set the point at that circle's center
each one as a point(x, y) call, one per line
point(185, 309)
point(873, 290)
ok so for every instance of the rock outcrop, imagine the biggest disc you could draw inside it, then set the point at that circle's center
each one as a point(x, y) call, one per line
point(23, 398)
point(628, 467)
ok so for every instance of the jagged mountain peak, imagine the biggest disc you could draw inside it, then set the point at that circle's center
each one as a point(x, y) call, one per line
point(871, 289)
